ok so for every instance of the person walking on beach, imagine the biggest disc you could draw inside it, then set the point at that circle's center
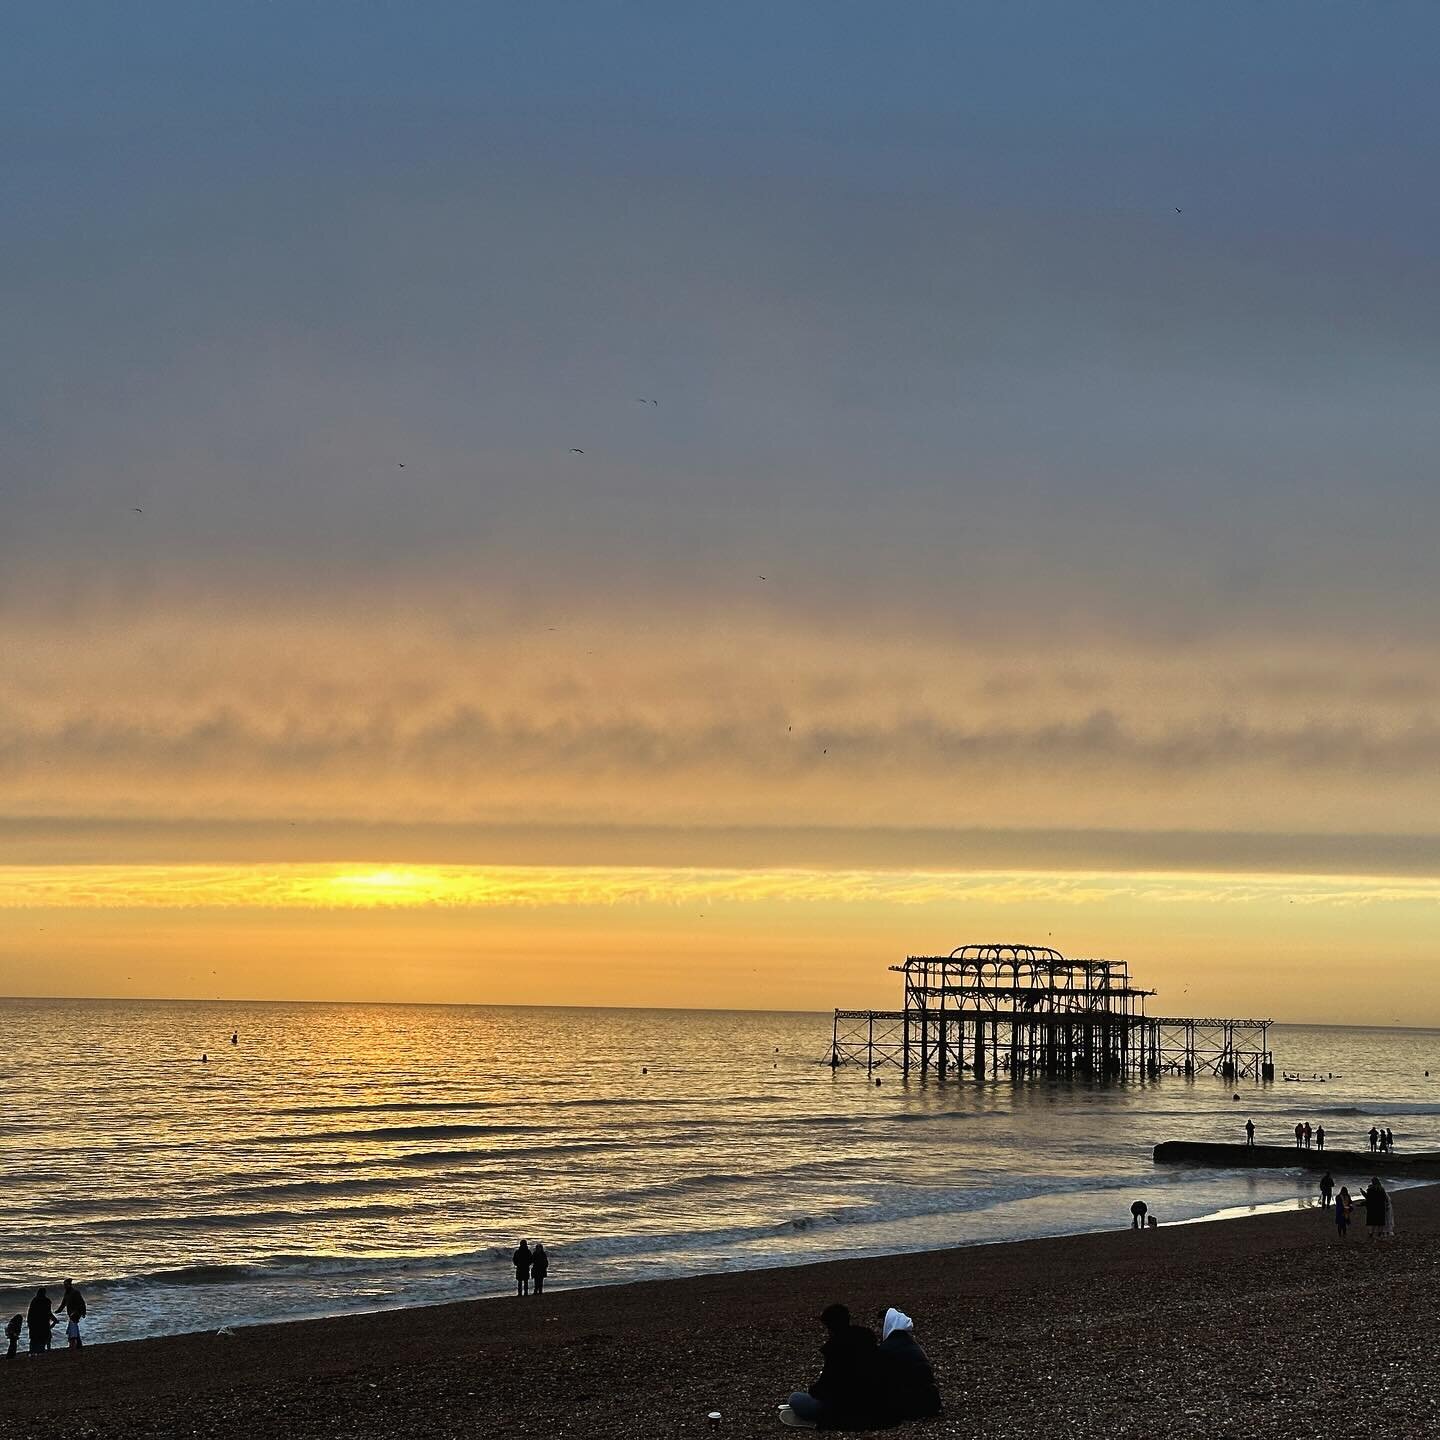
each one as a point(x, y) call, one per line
point(522, 1260)
point(1326, 1186)
point(1374, 1139)
point(40, 1321)
point(72, 1306)
point(1343, 1207)
point(539, 1267)
point(1299, 1135)
point(13, 1326)
point(1137, 1215)
point(1249, 1133)
point(1319, 1137)
point(844, 1394)
point(1375, 1204)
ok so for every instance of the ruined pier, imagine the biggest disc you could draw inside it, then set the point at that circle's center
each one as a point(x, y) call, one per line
point(1021, 1010)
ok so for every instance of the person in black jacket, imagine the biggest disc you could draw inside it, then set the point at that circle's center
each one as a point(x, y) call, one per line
point(846, 1393)
point(522, 1260)
point(907, 1383)
point(40, 1321)
point(539, 1267)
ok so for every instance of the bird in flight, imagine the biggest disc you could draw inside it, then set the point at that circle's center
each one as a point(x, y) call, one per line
point(641, 400)
point(402, 464)
point(1179, 211)
point(137, 509)
point(574, 451)
point(760, 577)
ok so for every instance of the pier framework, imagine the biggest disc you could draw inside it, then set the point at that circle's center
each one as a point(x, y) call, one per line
point(1026, 1009)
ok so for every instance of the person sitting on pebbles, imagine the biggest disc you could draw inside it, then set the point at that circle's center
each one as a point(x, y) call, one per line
point(846, 1395)
point(907, 1383)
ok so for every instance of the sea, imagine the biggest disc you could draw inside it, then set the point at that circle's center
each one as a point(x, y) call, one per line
point(339, 1158)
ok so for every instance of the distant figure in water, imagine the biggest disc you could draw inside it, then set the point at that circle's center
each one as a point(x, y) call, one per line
point(72, 1306)
point(1319, 1137)
point(522, 1260)
point(205, 1060)
point(1374, 1139)
point(40, 1321)
point(234, 1037)
point(1137, 1215)
point(1343, 1206)
point(13, 1326)
point(539, 1267)
point(1326, 1186)
point(1249, 1132)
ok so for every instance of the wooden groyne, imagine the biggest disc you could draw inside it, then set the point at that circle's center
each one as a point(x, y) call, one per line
point(1419, 1163)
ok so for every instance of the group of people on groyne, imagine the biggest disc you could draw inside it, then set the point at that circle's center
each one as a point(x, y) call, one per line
point(1379, 1207)
point(532, 1265)
point(865, 1383)
point(1382, 1140)
point(40, 1320)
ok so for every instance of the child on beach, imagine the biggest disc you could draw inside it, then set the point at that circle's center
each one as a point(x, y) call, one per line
point(1343, 1205)
point(13, 1326)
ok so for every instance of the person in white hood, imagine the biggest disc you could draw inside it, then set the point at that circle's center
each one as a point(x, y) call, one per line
point(906, 1380)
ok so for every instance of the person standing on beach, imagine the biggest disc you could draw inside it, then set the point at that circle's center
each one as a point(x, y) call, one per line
point(1376, 1202)
point(1299, 1135)
point(1307, 1134)
point(1319, 1137)
point(539, 1267)
point(1343, 1207)
point(72, 1306)
point(1389, 1141)
point(1374, 1139)
point(522, 1260)
point(40, 1321)
point(13, 1326)
point(1249, 1133)
point(1326, 1186)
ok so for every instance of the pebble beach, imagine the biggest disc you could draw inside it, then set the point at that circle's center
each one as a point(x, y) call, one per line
point(1264, 1325)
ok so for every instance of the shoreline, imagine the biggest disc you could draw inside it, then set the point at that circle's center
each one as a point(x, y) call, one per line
point(1148, 1333)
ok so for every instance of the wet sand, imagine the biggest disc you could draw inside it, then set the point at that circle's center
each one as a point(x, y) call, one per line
point(1261, 1326)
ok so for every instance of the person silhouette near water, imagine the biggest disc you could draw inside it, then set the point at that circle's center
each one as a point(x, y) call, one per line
point(1327, 1185)
point(1375, 1207)
point(1137, 1215)
point(1319, 1137)
point(1389, 1141)
point(40, 1320)
point(72, 1306)
point(522, 1260)
point(1307, 1134)
point(1299, 1135)
point(13, 1326)
point(539, 1267)
point(1343, 1206)
point(1374, 1139)
point(1249, 1133)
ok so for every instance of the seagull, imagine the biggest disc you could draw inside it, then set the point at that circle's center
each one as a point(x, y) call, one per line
point(641, 400)
point(402, 464)
point(574, 451)
point(137, 509)
point(760, 577)
point(1179, 211)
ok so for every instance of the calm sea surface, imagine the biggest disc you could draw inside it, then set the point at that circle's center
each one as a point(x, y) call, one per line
point(360, 1156)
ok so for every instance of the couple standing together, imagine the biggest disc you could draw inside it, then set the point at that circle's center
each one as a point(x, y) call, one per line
point(530, 1264)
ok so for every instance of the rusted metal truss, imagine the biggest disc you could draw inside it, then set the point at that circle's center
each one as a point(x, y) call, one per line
point(1027, 1009)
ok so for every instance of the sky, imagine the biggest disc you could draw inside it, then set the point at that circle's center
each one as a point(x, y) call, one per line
point(661, 504)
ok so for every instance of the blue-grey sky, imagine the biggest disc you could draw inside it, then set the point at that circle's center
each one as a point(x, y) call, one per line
point(1066, 371)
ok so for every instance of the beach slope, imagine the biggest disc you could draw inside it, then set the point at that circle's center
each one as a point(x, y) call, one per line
point(1261, 1326)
